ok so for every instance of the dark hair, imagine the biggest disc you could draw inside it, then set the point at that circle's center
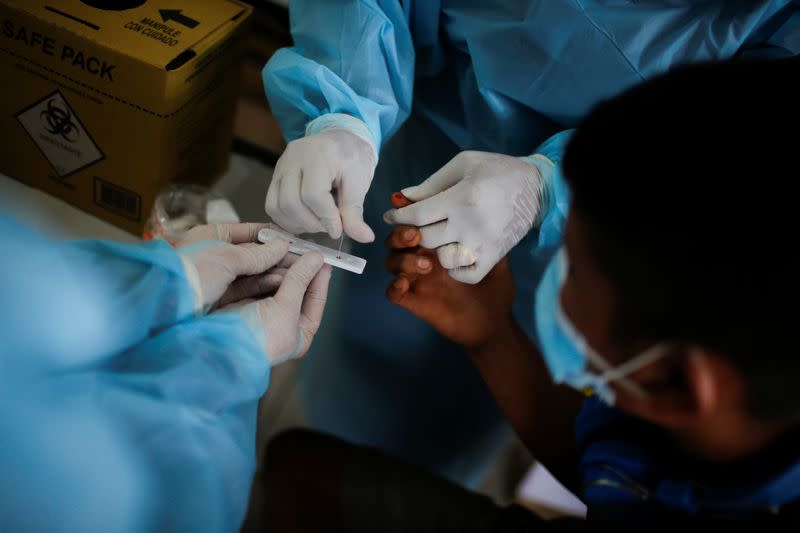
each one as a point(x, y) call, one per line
point(688, 188)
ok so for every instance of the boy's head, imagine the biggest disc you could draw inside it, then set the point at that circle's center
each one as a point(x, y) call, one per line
point(683, 231)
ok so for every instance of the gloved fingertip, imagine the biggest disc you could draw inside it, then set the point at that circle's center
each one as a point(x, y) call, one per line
point(277, 242)
point(389, 215)
point(464, 275)
point(314, 227)
point(315, 260)
point(412, 193)
point(335, 232)
point(361, 233)
point(323, 276)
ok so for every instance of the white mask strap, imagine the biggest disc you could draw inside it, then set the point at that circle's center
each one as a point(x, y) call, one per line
point(617, 375)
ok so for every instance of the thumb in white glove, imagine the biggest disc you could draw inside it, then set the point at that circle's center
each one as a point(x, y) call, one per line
point(321, 180)
point(474, 210)
point(287, 322)
point(215, 256)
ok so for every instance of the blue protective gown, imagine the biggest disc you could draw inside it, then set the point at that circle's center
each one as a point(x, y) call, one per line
point(121, 410)
point(631, 470)
point(431, 78)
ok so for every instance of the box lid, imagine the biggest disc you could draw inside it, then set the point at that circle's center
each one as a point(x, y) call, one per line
point(156, 32)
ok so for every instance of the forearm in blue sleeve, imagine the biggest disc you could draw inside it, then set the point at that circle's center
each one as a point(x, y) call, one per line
point(189, 397)
point(75, 302)
point(354, 57)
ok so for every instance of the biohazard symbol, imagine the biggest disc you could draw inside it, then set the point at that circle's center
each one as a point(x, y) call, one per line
point(59, 122)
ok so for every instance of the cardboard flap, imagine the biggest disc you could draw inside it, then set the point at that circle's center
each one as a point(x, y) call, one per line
point(157, 32)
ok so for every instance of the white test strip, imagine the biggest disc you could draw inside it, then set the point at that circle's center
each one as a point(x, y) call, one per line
point(332, 257)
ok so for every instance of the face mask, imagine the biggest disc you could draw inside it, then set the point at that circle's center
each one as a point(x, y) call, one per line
point(566, 352)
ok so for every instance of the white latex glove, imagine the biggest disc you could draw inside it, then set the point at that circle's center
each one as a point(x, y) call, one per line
point(222, 260)
point(473, 211)
point(320, 183)
point(287, 322)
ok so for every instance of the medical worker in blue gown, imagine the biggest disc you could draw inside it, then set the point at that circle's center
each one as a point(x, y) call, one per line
point(439, 99)
point(125, 407)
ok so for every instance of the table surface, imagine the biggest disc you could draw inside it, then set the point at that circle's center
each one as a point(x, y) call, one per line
point(53, 217)
point(245, 184)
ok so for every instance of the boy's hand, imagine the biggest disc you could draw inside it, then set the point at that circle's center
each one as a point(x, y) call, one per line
point(469, 315)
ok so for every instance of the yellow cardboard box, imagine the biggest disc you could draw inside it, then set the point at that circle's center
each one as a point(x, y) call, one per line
point(103, 102)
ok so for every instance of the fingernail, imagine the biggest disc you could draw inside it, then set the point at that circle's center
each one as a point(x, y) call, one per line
point(424, 263)
point(408, 234)
point(398, 284)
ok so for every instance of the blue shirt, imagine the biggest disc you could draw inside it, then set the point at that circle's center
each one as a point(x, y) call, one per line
point(630, 469)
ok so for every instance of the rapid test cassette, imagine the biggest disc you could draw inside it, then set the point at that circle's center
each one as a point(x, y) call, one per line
point(332, 257)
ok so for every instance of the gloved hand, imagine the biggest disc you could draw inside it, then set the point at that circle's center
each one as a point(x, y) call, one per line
point(474, 210)
point(287, 322)
point(320, 183)
point(223, 261)
point(469, 315)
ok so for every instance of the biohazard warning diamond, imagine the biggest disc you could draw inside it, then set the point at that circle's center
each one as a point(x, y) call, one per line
point(60, 135)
